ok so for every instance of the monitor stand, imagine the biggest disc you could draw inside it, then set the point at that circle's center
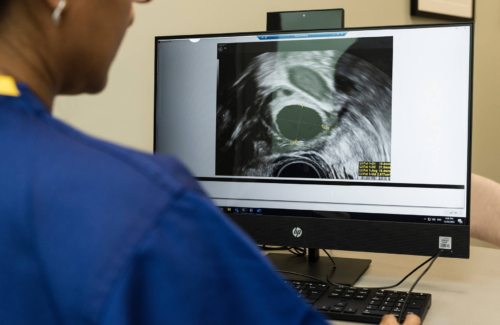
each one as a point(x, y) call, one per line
point(348, 270)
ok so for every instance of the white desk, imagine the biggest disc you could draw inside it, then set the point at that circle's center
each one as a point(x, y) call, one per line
point(463, 291)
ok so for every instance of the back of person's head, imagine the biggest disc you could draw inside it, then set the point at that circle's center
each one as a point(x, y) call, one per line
point(75, 53)
point(3, 5)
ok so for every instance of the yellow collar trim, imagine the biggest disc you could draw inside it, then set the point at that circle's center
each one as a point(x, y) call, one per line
point(8, 87)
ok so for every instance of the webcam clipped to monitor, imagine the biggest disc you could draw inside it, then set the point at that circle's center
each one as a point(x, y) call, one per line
point(305, 20)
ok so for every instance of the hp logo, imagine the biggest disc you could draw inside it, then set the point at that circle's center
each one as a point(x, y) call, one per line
point(297, 232)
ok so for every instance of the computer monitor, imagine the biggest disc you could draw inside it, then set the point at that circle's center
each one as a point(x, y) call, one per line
point(356, 139)
point(305, 20)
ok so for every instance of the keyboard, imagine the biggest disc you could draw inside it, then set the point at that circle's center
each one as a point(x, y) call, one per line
point(360, 304)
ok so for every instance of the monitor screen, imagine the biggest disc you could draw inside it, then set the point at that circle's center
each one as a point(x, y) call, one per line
point(368, 124)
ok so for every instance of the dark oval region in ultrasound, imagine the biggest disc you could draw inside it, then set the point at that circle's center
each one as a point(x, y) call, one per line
point(299, 170)
point(309, 81)
point(296, 122)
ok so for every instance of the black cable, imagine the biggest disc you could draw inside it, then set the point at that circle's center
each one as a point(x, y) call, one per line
point(415, 283)
point(299, 251)
point(304, 275)
point(332, 268)
point(331, 259)
point(388, 287)
point(407, 276)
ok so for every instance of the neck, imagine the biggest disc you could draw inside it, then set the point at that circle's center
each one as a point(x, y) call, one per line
point(26, 59)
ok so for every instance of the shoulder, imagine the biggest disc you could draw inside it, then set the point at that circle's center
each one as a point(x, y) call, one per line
point(164, 172)
point(114, 164)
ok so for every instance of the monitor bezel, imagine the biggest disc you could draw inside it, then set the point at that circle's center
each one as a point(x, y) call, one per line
point(378, 236)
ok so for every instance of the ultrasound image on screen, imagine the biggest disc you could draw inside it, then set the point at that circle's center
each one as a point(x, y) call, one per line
point(304, 109)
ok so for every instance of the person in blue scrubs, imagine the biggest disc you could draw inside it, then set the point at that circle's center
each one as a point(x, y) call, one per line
point(93, 233)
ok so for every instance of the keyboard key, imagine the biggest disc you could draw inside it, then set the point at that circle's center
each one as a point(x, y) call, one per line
point(338, 290)
point(390, 299)
point(415, 311)
point(420, 296)
point(346, 295)
point(314, 295)
point(350, 310)
point(379, 294)
point(324, 308)
point(341, 304)
point(336, 309)
point(375, 312)
point(317, 288)
point(372, 307)
point(350, 291)
point(334, 295)
point(385, 308)
point(416, 304)
point(360, 297)
point(375, 302)
point(393, 295)
point(387, 304)
point(363, 292)
point(377, 298)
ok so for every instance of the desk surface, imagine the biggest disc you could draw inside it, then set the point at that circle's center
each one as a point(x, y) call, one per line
point(463, 291)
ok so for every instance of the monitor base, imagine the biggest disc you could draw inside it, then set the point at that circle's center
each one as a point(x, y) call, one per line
point(348, 270)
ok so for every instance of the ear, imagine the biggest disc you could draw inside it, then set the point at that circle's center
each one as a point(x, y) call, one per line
point(52, 4)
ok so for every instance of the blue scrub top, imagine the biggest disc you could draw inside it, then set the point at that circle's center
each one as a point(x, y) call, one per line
point(93, 233)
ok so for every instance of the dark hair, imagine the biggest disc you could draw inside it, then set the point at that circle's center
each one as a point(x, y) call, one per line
point(3, 7)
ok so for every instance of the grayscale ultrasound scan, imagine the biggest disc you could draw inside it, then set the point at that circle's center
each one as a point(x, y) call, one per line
point(304, 109)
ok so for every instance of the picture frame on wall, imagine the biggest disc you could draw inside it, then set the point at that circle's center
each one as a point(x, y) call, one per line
point(454, 10)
